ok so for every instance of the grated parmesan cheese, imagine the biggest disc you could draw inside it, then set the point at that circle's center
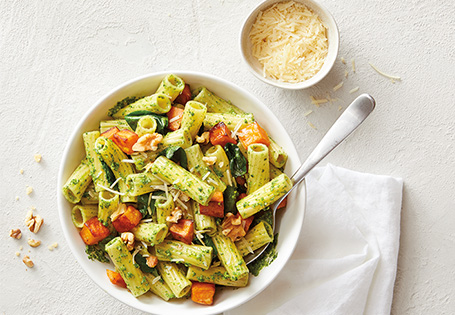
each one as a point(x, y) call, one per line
point(338, 86)
point(174, 119)
point(353, 65)
point(354, 90)
point(391, 77)
point(112, 191)
point(290, 41)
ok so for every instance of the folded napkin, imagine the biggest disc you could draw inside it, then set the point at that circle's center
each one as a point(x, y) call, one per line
point(346, 258)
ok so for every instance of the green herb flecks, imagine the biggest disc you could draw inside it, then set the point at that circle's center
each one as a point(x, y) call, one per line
point(267, 257)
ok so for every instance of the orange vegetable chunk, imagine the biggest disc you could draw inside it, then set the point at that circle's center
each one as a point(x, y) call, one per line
point(185, 96)
point(93, 231)
point(183, 231)
point(213, 209)
point(125, 139)
point(110, 133)
point(283, 203)
point(175, 116)
point(253, 133)
point(203, 293)
point(247, 222)
point(220, 134)
point(116, 278)
point(128, 220)
point(217, 196)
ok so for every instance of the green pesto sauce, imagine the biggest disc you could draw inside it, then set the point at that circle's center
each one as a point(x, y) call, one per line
point(269, 255)
point(123, 103)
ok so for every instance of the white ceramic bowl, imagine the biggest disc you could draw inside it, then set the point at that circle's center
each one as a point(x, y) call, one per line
point(289, 224)
point(255, 67)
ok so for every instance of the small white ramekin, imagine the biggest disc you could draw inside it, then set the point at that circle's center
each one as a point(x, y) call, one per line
point(255, 67)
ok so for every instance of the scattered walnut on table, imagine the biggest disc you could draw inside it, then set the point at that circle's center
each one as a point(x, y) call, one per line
point(27, 261)
point(15, 233)
point(37, 158)
point(128, 239)
point(33, 222)
point(33, 243)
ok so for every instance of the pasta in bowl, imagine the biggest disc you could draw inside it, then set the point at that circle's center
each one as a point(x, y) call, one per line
point(151, 183)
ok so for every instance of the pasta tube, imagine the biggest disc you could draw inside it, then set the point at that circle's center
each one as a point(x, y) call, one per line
point(90, 196)
point(216, 275)
point(174, 278)
point(146, 125)
point(181, 138)
point(221, 165)
point(175, 251)
point(202, 222)
point(258, 166)
point(95, 161)
point(159, 287)
point(119, 123)
point(142, 183)
point(193, 116)
point(277, 155)
point(108, 204)
point(151, 233)
point(123, 261)
point(183, 180)
point(113, 156)
point(198, 167)
point(171, 86)
point(77, 183)
point(156, 103)
point(264, 196)
point(81, 214)
point(164, 208)
point(230, 256)
point(232, 121)
point(214, 103)
point(257, 237)
point(143, 158)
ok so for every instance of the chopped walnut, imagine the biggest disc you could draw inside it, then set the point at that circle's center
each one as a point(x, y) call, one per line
point(18, 254)
point(37, 158)
point(16, 233)
point(120, 210)
point(175, 216)
point(33, 243)
point(148, 142)
point(128, 239)
point(29, 190)
point(152, 261)
point(33, 222)
point(232, 227)
point(209, 160)
point(204, 138)
point(28, 262)
point(21, 171)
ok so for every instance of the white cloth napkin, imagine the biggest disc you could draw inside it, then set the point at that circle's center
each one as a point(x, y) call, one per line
point(346, 258)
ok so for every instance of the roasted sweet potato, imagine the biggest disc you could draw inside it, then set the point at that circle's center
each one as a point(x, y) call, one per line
point(185, 96)
point(116, 278)
point(183, 231)
point(217, 196)
point(203, 293)
point(93, 231)
point(125, 139)
point(128, 220)
point(110, 133)
point(253, 133)
point(214, 209)
point(220, 134)
point(175, 116)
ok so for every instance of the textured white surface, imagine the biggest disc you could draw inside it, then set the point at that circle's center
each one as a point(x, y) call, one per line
point(59, 57)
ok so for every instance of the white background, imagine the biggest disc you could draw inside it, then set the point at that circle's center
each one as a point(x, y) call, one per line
point(58, 57)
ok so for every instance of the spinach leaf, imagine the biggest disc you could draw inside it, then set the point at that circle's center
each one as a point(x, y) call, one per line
point(176, 154)
point(266, 258)
point(142, 262)
point(109, 174)
point(237, 161)
point(133, 118)
point(209, 242)
point(230, 195)
point(123, 103)
point(142, 205)
point(265, 215)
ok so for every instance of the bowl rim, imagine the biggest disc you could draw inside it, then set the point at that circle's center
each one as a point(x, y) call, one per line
point(332, 52)
point(81, 257)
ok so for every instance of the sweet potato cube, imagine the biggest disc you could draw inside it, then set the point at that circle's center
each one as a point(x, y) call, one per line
point(183, 231)
point(247, 222)
point(253, 133)
point(116, 278)
point(220, 134)
point(203, 293)
point(128, 220)
point(175, 116)
point(110, 133)
point(283, 203)
point(217, 196)
point(213, 209)
point(93, 231)
point(185, 96)
point(125, 139)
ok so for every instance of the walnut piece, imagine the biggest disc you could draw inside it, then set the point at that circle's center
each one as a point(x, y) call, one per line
point(232, 227)
point(33, 222)
point(152, 261)
point(33, 243)
point(148, 142)
point(28, 262)
point(29, 190)
point(15, 233)
point(204, 138)
point(37, 158)
point(175, 216)
point(128, 239)
point(209, 160)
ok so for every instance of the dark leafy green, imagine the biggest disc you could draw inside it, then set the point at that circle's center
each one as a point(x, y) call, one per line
point(209, 242)
point(265, 215)
point(142, 262)
point(176, 154)
point(142, 204)
point(98, 251)
point(237, 161)
point(133, 118)
point(109, 174)
point(230, 195)
point(267, 257)
point(123, 103)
